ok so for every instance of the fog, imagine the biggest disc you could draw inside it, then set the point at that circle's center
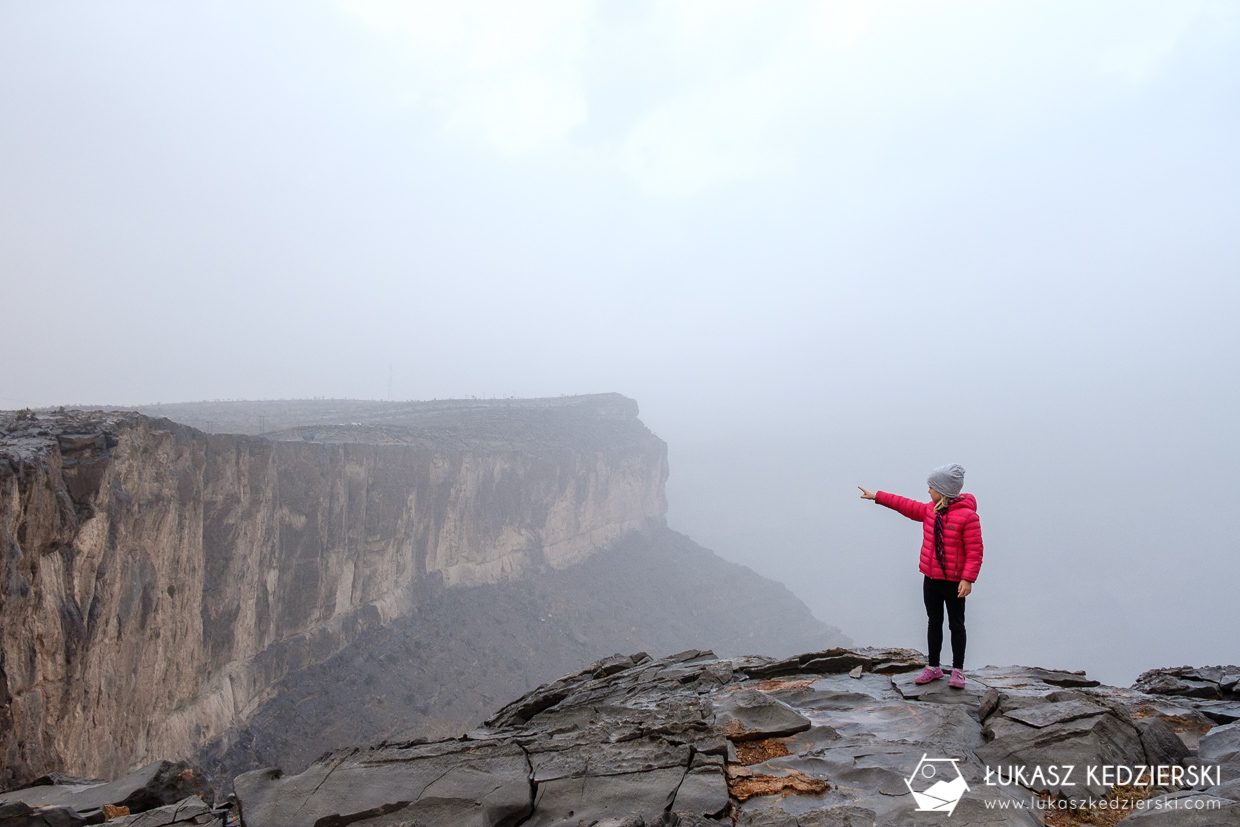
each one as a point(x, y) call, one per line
point(823, 245)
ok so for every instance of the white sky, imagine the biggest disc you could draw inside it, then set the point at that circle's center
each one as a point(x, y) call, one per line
point(819, 242)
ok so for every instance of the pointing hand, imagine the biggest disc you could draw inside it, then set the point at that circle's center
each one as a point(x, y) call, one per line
point(866, 495)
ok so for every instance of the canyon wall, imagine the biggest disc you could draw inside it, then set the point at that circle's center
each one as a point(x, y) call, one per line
point(157, 581)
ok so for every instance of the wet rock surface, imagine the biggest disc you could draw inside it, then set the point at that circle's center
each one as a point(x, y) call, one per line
point(695, 739)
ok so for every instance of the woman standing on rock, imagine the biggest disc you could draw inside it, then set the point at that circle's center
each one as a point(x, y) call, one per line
point(951, 556)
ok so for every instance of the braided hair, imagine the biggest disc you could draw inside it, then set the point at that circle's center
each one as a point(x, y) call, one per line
point(940, 512)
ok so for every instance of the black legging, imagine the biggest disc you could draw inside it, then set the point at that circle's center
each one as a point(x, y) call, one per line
point(938, 593)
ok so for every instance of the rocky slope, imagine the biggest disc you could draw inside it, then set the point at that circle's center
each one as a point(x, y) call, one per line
point(835, 738)
point(157, 581)
point(838, 738)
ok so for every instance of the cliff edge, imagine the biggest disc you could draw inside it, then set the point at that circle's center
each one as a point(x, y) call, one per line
point(157, 580)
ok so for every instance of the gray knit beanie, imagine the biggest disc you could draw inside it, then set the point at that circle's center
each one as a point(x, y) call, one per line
point(947, 480)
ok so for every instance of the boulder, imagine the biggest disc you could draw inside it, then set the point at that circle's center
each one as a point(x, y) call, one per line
point(1162, 745)
point(154, 785)
point(1221, 744)
point(749, 714)
point(1093, 741)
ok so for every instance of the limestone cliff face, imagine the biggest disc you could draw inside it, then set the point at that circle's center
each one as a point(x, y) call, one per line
point(157, 580)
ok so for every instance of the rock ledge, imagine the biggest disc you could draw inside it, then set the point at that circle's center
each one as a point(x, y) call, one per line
point(693, 739)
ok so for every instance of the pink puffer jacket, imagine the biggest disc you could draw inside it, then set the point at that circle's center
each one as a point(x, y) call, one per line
point(962, 535)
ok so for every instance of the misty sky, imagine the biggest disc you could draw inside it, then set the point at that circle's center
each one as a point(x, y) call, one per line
point(822, 244)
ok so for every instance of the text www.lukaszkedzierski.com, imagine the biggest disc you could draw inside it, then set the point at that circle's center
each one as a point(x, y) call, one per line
point(1036, 803)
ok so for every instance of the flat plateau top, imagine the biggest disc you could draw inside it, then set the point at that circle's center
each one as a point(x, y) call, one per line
point(596, 419)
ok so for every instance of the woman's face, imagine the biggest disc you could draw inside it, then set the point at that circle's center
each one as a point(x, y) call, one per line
point(935, 496)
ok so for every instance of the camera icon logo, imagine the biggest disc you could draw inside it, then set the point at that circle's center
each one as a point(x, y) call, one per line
point(937, 785)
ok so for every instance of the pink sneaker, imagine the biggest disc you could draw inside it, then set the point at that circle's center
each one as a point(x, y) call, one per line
point(931, 673)
point(957, 681)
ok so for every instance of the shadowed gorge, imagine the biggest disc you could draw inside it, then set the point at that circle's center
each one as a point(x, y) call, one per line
point(443, 668)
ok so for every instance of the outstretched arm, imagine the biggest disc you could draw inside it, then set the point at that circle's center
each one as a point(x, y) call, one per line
point(909, 508)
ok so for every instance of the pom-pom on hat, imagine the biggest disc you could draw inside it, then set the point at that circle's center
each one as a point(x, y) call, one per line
point(947, 480)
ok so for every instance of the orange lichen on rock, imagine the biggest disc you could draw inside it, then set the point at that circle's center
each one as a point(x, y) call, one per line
point(1177, 722)
point(743, 784)
point(772, 685)
point(111, 811)
point(755, 752)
